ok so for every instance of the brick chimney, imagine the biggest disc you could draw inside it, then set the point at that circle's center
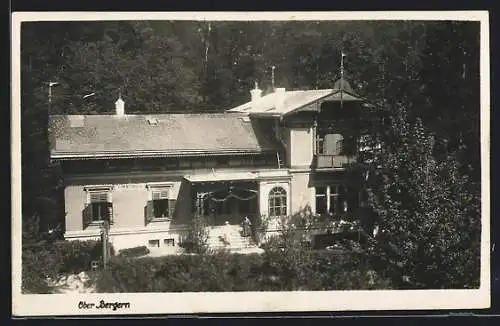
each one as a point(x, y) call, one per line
point(280, 98)
point(120, 107)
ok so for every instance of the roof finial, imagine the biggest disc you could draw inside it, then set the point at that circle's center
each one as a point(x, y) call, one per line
point(342, 78)
point(272, 76)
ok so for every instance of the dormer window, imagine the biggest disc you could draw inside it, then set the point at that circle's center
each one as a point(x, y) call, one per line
point(152, 121)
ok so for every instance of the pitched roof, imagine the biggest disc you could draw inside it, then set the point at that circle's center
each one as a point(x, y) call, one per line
point(73, 136)
point(297, 99)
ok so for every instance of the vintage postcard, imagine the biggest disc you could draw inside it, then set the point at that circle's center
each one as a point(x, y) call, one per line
point(239, 162)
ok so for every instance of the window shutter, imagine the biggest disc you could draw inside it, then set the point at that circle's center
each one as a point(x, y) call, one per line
point(96, 197)
point(87, 216)
point(110, 212)
point(148, 212)
point(160, 194)
point(171, 207)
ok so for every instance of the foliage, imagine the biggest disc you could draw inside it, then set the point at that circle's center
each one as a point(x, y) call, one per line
point(259, 228)
point(450, 62)
point(428, 212)
point(222, 271)
point(428, 201)
point(166, 66)
point(183, 273)
point(196, 240)
point(134, 252)
point(289, 255)
point(300, 229)
point(46, 259)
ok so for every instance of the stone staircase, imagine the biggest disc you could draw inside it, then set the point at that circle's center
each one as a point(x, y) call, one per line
point(229, 237)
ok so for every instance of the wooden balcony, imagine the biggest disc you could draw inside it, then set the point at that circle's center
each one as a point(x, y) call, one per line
point(325, 161)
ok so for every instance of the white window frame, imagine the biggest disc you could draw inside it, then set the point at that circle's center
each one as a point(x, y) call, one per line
point(332, 197)
point(92, 190)
point(160, 187)
point(285, 204)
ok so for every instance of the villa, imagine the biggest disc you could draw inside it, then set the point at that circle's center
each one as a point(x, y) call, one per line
point(149, 175)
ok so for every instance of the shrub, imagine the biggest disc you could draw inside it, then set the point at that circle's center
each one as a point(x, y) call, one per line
point(258, 228)
point(196, 240)
point(290, 264)
point(219, 271)
point(36, 267)
point(276, 270)
point(50, 259)
point(134, 252)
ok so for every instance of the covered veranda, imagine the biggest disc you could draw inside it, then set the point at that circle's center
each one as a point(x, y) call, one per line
point(222, 198)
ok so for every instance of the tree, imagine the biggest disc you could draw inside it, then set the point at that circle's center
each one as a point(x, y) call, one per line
point(450, 77)
point(165, 66)
point(428, 215)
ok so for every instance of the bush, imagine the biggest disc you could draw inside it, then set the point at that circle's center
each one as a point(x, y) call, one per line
point(50, 259)
point(258, 228)
point(196, 240)
point(276, 270)
point(220, 271)
point(134, 252)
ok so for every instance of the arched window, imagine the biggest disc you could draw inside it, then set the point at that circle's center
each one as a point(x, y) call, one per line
point(277, 202)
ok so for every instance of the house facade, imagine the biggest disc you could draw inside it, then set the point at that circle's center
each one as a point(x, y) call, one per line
point(150, 174)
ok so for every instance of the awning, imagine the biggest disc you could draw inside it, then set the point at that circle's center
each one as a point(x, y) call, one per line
point(238, 176)
point(221, 176)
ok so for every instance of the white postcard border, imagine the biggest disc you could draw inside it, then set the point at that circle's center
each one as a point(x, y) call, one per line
point(192, 303)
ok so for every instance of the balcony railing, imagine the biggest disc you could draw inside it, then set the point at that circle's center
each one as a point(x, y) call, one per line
point(324, 161)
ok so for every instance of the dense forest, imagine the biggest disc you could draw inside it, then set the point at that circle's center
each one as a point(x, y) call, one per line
point(432, 68)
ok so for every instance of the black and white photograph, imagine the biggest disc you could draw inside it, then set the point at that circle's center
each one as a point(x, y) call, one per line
point(232, 162)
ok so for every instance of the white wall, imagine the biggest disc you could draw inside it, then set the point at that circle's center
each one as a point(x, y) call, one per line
point(301, 143)
point(264, 189)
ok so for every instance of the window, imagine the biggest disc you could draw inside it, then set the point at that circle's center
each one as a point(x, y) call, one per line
point(99, 203)
point(331, 144)
point(334, 195)
point(160, 203)
point(321, 202)
point(342, 199)
point(339, 146)
point(277, 202)
point(99, 207)
point(202, 204)
point(154, 243)
point(161, 206)
point(338, 200)
point(169, 242)
point(333, 199)
point(152, 121)
point(320, 142)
